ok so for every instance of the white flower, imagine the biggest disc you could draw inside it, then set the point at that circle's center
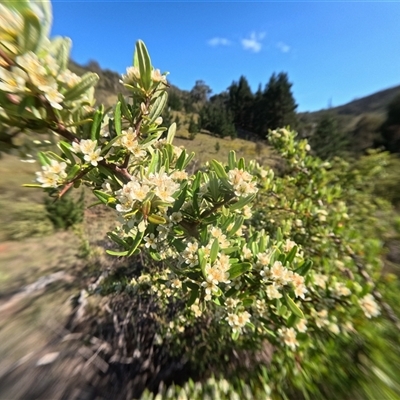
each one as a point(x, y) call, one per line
point(132, 75)
point(289, 244)
point(341, 289)
point(53, 96)
point(47, 179)
point(151, 241)
point(289, 337)
point(301, 326)
point(85, 146)
point(176, 217)
point(68, 78)
point(13, 81)
point(156, 76)
point(93, 157)
point(369, 306)
point(273, 292)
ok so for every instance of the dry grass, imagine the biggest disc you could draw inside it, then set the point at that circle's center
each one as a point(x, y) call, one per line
point(204, 145)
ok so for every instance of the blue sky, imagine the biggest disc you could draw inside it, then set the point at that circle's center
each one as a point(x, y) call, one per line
point(332, 51)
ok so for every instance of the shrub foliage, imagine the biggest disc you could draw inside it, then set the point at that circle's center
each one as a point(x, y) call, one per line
point(284, 268)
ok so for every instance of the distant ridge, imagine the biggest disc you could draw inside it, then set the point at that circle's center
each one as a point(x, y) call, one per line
point(373, 103)
point(109, 85)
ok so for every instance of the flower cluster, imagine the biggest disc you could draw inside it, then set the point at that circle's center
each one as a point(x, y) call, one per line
point(242, 182)
point(52, 175)
point(90, 151)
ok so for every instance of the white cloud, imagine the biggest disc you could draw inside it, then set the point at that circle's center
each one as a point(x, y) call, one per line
point(283, 47)
point(254, 42)
point(217, 41)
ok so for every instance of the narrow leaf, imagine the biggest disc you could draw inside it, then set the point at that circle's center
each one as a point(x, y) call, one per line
point(243, 201)
point(171, 133)
point(293, 307)
point(238, 269)
point(219, 169)
point(117, 119)
point(214, 250)
point(87, 81)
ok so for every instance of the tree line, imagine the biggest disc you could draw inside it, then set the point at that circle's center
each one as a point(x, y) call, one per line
point(240, 112)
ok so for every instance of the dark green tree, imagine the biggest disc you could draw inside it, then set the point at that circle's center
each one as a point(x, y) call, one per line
point(167, 116)
point(174, 100)
point(278, 107)
point(240, 103)
point(217, 118)
point(193, 127)
point(391, 127)
point(366, 134)
point(328, 141)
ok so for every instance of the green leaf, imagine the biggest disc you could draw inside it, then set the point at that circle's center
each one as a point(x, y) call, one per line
point(179, 245)
point(124, 108)
point(202, 262)
point(282, 310)
point(63, 53)
point(188, 159)
point(73, 172)
point(237, 225)
point(117, 253)
point(66, 149)
point(87, 81)
point(229, 250)
point(194, 294)
point(243, 201)
point(158, 106)
point(136, 243)
point(213, 186)
point(96, 125)
point(241, 164)
point(214, 250)
point(32, 185)
point(293, 307)
point(235, 335)
point(142, 60)
point(290, 257)
point(104, 197)
point(231, 292)
point(180, 200)
point(181, 160)
point(232, 159)
point(279, 236)
point(115, 238)
point(117, 119)
point(171, 133)
point(262, 243)
point(156, 219)
point(219, 169)
point(247, 302)
point(304, 268)
point(238, 269)
point(31, 33)
point(43, 159)
point(292, 320)
point(154, 162)
point(155, 255)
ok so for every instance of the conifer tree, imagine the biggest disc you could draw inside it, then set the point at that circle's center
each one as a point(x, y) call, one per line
point(328, 140)
point(278, 104)
point(240, 103)
point(391, 127)
point(217, 118)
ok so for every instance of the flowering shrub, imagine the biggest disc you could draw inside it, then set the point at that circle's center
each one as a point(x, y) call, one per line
point(262, 258)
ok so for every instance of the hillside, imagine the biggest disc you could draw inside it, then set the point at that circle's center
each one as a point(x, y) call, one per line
point(374, 103)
